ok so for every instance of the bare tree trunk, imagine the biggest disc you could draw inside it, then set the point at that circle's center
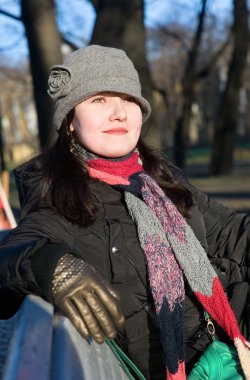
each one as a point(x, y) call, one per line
point(188, 82)
point(44, 47)
point(225, 133)
point(120, 24)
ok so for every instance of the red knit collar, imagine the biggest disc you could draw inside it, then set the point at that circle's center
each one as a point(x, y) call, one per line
point(115, 172)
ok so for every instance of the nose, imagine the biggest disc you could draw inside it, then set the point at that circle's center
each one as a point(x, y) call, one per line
point(118, 110)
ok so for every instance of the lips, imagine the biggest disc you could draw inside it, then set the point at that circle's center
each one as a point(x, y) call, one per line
point(116, 131)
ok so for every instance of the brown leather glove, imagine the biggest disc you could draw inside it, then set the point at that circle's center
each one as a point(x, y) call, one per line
point(86, 299)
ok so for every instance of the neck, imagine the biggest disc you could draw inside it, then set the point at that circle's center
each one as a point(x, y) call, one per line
point(85, 155)
point(112, 171)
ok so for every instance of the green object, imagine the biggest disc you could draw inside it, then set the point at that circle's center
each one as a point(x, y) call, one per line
point(219, 360)
point(127, 365)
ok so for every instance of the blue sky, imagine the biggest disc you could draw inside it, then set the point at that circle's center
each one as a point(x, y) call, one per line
point(13, 47)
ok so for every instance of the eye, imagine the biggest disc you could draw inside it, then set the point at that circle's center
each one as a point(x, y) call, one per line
point(130, 99)
point(99, 99)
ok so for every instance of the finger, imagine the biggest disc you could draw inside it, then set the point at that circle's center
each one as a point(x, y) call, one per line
point(89, 319)
point(70, 311)
point(111, 304)
point(110, 289)
point(101, 314)
point(106, 285)
point(113, 293)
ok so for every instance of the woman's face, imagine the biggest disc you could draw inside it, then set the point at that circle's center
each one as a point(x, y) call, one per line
point(108, 124)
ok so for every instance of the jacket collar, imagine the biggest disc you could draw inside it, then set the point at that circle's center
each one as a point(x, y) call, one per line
point(105, 193)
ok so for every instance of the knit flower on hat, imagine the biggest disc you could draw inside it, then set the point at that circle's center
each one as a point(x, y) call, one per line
point(59, 82)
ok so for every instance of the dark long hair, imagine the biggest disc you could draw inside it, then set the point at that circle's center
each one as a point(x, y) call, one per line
point(66, 182)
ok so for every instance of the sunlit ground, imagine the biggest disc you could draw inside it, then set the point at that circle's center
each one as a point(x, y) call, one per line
point(231, 190)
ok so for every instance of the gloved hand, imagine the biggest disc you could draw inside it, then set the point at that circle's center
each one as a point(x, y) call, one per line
point(86, 299)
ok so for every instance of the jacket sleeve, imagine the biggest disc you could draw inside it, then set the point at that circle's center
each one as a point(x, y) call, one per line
point(227, 233)
point(28, 256)
point(228, 245)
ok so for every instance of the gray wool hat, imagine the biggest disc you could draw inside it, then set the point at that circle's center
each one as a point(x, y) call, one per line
point(91, 70)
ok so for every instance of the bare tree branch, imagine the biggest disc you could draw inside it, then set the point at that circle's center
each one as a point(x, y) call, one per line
point(170, 33)
point(207, 69)
point(196, 44)
point(19, 18)
point(11, 15)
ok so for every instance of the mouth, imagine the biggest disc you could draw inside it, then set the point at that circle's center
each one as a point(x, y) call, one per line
point(116, 131)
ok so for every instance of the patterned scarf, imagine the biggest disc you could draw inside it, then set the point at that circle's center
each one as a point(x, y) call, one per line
point(172, 251)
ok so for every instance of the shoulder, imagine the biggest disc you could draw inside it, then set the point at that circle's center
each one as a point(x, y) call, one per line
point(177, 173)
point(29, 181)
point(28, 170)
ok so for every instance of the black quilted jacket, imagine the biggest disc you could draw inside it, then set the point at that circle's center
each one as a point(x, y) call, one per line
point(29, 255)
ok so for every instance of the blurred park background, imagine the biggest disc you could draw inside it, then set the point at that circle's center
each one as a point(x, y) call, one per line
point(194, 63)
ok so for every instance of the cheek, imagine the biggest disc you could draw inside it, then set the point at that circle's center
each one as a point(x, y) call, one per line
point(81, 127)
point(138, 122)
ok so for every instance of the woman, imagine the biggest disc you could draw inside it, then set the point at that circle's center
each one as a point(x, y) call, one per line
point(116, 237)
